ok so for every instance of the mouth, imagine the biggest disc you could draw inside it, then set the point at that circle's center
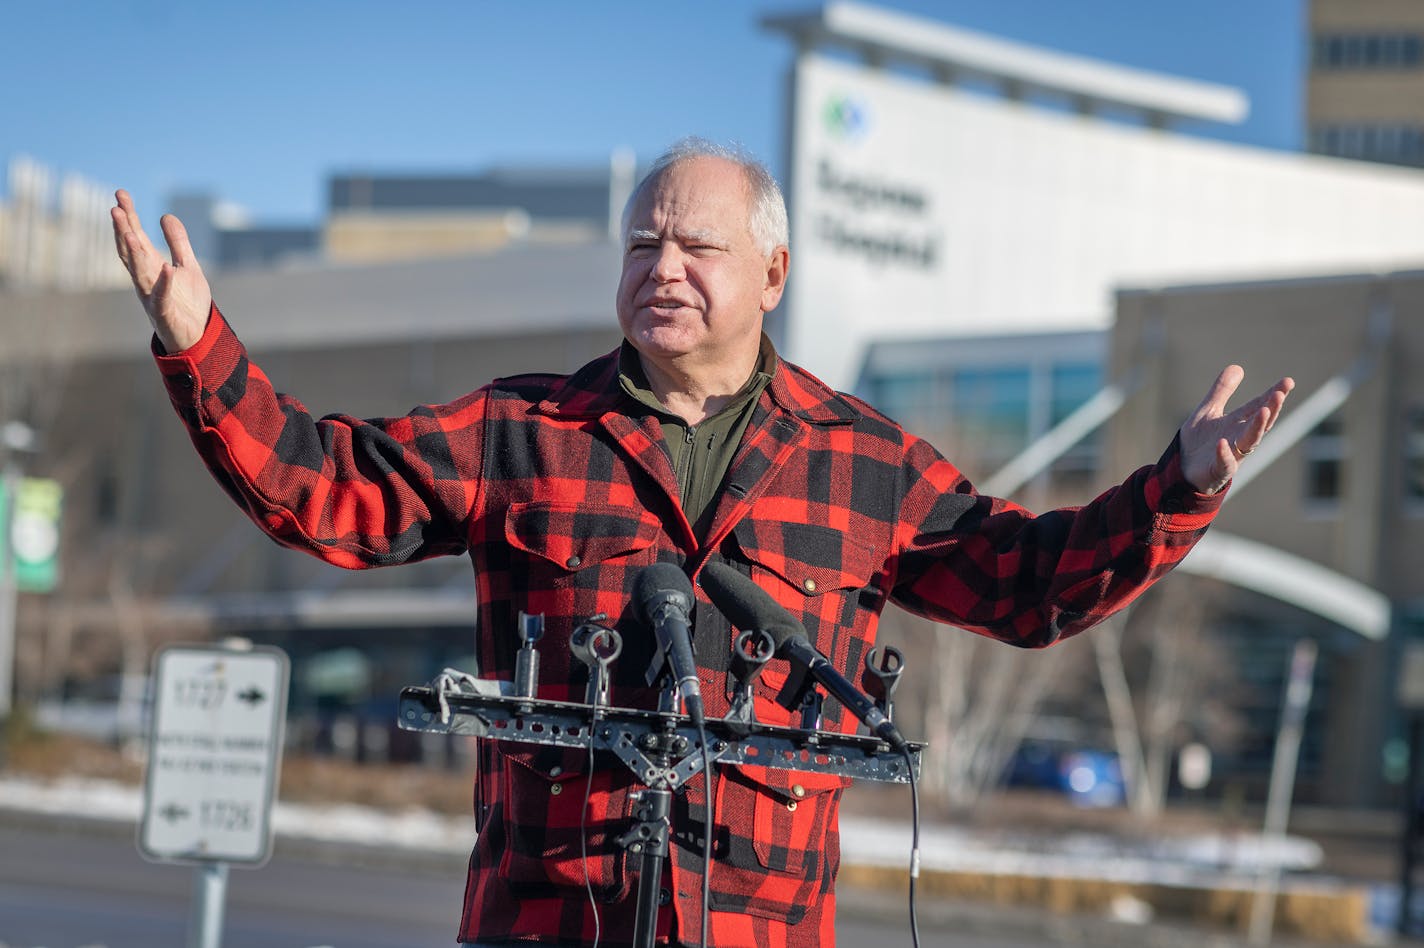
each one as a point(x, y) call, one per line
point(666, 307)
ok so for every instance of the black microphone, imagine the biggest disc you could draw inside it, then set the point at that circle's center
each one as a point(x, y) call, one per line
point(748, 606)
point(663, 596)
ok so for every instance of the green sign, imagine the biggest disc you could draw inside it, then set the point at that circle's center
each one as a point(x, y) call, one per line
point(31, 524)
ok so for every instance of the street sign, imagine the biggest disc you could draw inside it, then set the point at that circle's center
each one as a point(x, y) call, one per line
point(214, 753)
point(31, 524)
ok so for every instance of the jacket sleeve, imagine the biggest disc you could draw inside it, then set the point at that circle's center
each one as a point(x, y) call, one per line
point(989, 565)
point(356, 493)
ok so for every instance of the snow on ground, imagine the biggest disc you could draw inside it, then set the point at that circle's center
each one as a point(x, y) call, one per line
point(1171, 861)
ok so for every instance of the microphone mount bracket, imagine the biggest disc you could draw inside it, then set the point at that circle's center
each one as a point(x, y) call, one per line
point(642, 739)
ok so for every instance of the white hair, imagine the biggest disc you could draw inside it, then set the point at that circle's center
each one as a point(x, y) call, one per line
point(766, 210)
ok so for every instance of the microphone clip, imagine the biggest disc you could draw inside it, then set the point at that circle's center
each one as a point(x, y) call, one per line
point(750, 653)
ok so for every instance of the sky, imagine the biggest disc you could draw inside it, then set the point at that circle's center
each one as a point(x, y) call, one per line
point(259, 101)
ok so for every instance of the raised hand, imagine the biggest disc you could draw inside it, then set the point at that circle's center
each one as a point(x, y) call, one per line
point(1214, 442)
point(174, 294)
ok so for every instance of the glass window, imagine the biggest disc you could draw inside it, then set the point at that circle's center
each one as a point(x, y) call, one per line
point(1332, 140)
point(1324, 450)
point(990, 406)
point(1371, 52)
point(1351, 59)
point(1411, 146)
point(1367, 51)
point(1073, 384)
point(1414, 456)
point(909, 398)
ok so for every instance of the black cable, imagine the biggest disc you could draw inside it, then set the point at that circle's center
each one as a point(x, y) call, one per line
point(706, 832)
point(583, 839)
point(914, 846)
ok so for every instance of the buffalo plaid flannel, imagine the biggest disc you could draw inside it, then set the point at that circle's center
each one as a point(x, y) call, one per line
point(560, 490)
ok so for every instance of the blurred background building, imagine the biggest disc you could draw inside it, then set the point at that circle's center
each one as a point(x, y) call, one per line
point(1365, 91)
point(1028, 256)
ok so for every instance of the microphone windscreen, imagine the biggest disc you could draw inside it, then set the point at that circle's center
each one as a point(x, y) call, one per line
point(658, 581)
point(747, 606)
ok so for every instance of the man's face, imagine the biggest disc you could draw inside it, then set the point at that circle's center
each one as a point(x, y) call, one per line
point(694, 284)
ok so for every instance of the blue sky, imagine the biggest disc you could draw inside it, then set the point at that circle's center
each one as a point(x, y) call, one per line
point(258, 101)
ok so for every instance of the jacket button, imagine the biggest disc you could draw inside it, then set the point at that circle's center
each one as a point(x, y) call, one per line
point(791, 805)
point(556, 789)
point(572, 562)
point(798, 791)
point(809, 585)
point(664, 897)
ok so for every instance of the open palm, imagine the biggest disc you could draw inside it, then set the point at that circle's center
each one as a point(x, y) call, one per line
point(175, 294)
point(1214, 440)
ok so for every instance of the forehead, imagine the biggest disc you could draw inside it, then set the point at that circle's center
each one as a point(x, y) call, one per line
point(700, 193)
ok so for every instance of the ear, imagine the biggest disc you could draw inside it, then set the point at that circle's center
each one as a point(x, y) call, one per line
point(778, 265)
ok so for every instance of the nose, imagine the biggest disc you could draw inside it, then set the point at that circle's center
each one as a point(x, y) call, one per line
point(668, 265)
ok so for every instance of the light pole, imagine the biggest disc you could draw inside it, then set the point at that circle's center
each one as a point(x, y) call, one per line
point(15, 437)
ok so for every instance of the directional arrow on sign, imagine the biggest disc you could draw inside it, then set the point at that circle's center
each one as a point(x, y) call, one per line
point(172, 812)
point(253, 696)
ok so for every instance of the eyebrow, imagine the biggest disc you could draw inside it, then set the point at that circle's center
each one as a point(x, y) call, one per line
point(709, 236)
point(705, 236)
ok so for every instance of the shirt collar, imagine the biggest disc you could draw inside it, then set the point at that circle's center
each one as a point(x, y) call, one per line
point(634, 381)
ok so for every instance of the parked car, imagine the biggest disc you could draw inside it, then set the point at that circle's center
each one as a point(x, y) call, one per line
point(1087, 776)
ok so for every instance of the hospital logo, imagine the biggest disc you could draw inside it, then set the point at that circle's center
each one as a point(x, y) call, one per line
point(845, 118)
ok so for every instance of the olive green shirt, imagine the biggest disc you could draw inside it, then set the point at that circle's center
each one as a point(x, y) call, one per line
point(700, 453)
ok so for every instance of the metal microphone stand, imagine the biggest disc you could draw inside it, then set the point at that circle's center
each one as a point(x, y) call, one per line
point(662, 748)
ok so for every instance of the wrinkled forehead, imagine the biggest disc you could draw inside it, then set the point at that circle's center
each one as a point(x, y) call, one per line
point(700, 194)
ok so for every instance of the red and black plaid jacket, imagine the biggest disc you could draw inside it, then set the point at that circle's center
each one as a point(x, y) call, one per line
point(561, 491)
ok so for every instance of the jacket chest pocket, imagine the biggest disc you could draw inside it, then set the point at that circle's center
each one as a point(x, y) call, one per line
point(573, 536)
point(552, 837)
point(561, 545)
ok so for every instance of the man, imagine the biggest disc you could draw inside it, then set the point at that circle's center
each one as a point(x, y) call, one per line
point(693, 443)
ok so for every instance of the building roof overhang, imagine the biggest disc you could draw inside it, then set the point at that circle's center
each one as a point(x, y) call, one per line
point(886, 36)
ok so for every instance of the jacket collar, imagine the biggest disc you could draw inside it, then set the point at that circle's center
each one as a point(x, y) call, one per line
point(593, 391)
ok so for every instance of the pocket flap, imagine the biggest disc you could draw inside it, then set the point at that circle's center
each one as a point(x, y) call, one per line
point(554, 764)
point(789, 785)
point(577, 536)
point(813, 558)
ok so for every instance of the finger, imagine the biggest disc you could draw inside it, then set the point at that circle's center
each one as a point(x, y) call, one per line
point(177, 236)
point(126, 206)
point(1222, 468)
point(1255, 430)
point(1279, 392)
point(1271, 401)
point(144, 267)
point(124, 200)
point(121, 243)
point(1226, 462)
point(1225, 457)
point(1214, 404)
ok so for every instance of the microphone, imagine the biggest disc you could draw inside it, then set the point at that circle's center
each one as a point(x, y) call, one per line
point(663, 596)
point(748, 606)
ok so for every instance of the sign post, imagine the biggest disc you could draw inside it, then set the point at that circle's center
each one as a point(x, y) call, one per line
point(214, 755)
